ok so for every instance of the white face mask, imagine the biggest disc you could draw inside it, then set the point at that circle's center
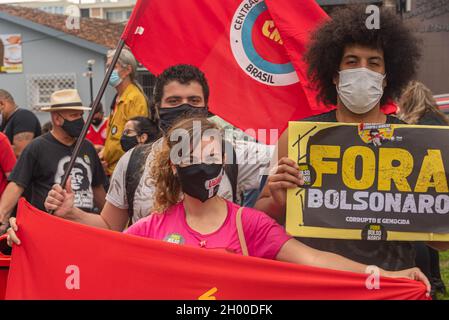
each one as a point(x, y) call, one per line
point(360, 89)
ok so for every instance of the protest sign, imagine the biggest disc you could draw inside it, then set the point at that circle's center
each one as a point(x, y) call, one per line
point(367, 181)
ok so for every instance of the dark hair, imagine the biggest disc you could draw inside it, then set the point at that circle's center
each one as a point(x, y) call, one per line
point(47, 127)
point(184, 74)
point(348, 27)
point(148, 126)
point(99, 108)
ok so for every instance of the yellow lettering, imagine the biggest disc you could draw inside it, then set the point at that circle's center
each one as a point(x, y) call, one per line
point(368, 168)
point(273, 35)
point(432, 173)
point(317, 154)
point(266, 28)
point(398, 173)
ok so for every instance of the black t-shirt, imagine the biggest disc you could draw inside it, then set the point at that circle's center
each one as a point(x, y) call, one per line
point(21, 120)
point(389, 255)
point(43, 163)
point(431, 119)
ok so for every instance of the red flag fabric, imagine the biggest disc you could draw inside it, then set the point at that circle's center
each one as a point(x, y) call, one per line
point(296, 35)
point(241, 49)
point(59, 259)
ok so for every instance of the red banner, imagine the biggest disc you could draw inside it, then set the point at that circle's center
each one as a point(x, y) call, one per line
point(59, 259)
point(241, 48)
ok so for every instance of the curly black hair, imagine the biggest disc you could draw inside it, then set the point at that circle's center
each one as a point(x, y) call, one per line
point(348, 27)
point(184, 74)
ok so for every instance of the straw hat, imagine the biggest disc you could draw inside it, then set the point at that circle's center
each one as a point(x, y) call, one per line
point(65, 100)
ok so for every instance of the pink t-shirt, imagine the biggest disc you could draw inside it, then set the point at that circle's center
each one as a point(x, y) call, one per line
point(264, 237)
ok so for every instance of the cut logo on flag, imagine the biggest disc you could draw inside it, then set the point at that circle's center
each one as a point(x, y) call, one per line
point(255, 45)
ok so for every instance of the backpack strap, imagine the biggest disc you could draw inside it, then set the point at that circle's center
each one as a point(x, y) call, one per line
point(134, 172)
point(240, 232)
point(232, 171)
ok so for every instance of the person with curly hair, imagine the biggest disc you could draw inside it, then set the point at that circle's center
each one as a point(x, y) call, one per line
point(188, 170)
point(357, 69)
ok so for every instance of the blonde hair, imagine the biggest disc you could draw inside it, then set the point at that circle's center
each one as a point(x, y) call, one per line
point(168, 187)
point(416, 100)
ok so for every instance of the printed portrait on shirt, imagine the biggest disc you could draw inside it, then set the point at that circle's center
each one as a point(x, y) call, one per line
point(81, 180)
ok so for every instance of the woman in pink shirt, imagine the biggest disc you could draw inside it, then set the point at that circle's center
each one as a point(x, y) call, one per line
point(188, 171)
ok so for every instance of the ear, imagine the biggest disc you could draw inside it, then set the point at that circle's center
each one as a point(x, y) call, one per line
point(56, 118)
point(384, 84)
point(129, 70)
point(336, 78)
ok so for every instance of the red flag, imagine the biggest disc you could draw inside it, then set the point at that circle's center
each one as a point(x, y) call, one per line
point(238, 45)
point(59, 259)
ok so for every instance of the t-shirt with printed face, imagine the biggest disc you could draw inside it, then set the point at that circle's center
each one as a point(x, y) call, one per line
point(43, 163)
point(264, 237)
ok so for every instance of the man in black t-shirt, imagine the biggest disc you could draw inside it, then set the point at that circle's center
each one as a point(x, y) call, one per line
point(44, 161)
point(356, 69)
point(19, 125)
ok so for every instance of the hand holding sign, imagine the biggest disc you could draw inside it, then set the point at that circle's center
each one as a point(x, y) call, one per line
point(286, 176)
point(370, 182)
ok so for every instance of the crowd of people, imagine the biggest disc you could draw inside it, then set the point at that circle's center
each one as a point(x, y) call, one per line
point(125, 179)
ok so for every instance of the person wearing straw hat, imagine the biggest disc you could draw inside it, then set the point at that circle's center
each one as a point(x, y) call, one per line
point(44, 161)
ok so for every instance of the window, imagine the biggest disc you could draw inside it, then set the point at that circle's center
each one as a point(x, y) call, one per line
point(147, 80)
point(115, 16)
point(85, 13)
point(41, 87)
point(96, 13)
point(53, 9)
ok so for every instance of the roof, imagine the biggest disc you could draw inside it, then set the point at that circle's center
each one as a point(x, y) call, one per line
point(95, 34)
point(443, 102)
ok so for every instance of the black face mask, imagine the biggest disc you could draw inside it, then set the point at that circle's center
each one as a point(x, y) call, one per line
point(128, 142)
point(96, 121)
point(73, 128)
point(169, 116)
point(200, 181)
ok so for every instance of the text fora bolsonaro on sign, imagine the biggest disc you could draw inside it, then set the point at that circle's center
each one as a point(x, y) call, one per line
point(370, 181)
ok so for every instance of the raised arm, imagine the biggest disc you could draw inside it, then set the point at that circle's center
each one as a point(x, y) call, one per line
point(61, 203)
point(286, 175)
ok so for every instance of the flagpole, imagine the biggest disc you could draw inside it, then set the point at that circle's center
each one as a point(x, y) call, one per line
point(100, 94)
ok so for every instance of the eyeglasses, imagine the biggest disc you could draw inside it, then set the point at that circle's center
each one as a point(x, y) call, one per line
point(127, 132)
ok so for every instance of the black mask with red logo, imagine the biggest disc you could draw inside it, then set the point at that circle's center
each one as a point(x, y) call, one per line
point(200, 181)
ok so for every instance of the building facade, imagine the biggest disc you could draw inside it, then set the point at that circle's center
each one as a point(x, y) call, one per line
point(117, 11)
point(429, 20)
point(51, 58)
